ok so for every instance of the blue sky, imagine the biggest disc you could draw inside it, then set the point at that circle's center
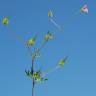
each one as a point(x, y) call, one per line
point(29, 17)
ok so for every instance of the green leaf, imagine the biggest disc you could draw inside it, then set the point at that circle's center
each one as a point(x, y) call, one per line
point(31, 42)
point(48, 36)
point(5, 21)
point(50, 13)
point(62, 62)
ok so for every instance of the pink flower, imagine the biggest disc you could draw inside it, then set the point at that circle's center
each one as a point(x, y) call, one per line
point(84, 9)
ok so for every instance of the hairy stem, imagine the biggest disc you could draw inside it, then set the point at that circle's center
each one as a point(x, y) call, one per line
point(33, 81)
point(33, 60)
point(33, 86)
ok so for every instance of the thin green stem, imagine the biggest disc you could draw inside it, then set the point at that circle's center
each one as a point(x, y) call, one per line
point(33, 82)
point(33, 60)
point(39, 49)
